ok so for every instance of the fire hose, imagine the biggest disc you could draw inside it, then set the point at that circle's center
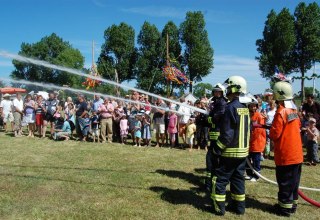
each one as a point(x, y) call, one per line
point(302, 195)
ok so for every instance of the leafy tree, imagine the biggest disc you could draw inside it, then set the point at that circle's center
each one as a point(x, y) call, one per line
point(149, 73)
point(309, 90)
point(198, 54)
point(307, 50)
point(118, 53)
point(200, 89)
point(54, 50)
point(2, 84)
point(276, 46)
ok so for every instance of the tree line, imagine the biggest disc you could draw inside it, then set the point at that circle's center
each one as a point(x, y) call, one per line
point(290, 41)
point(141, 59)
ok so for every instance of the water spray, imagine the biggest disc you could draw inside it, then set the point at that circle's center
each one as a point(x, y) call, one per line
point(82, 91)
point(80, 73)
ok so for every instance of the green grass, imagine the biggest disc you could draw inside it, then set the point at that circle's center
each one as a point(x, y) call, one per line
point(44, 179)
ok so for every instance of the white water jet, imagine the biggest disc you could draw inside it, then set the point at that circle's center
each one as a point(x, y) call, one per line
point(81, 91)
point(80, 73)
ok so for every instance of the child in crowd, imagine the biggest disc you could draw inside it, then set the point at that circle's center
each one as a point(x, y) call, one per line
point(172, 127)
point(86, 127)
point(124, 126)
point(95, 126)
point(190, 131)
point(257, 141)
point(64, 132)
point(146, 134)
point(137, 130)
point(312, 143)
point(30, 117)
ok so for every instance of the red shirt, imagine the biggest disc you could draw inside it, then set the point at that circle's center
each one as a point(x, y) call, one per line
point(285, 133)
point(257, 135)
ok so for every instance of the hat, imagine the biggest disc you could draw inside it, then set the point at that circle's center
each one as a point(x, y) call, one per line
point(6, 95)
point(312, 120)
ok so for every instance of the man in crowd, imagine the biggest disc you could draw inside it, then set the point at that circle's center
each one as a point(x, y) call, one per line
point(51, 106)
point(184, 114)
point(82, 110)
point(159, 124)
point(6, 109)
point(17, 114)
point(97, 102)
point(312, 109)
point(106, 112)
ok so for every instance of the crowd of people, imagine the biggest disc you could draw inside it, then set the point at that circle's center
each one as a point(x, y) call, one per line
point(109, 120)
point(106, 120)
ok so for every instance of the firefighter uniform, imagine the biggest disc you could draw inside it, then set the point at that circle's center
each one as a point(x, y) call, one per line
point(217, 108)
point(288, 154)
point(233, 146)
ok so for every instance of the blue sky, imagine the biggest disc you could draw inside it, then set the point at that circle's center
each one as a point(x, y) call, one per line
point(233, 27)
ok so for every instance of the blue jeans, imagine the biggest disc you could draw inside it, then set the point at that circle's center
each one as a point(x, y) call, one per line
point(254, 157)
point(312, 151)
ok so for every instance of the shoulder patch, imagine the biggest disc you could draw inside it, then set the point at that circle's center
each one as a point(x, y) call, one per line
point(243, 111)
point(292, 116)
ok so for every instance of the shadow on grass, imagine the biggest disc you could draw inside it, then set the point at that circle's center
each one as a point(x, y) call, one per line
point(200, 170)
point(254, 203)
point(183, 196)
point(189, 177)
point(179, 196)
point(71, 181)
point(192, 196)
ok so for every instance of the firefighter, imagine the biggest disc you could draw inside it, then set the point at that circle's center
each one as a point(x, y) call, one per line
point(288, 155)
point(216, 111)
point(231, 150)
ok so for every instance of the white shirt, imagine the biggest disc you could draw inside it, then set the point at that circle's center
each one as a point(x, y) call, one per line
point(184, 113)
point(18, 104)
point(6, 106)
point(270, 116)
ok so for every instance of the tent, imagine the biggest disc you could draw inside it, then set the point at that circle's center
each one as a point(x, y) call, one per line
point(190, 97)
point(12, 90)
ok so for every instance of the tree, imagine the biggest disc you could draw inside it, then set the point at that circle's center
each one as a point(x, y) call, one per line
point(198, 54)
point(309, 90)
point(307, 49)
point(118, 53)
point(53, 50)
point(149, 73)
point(200, 89)
point(276, 46)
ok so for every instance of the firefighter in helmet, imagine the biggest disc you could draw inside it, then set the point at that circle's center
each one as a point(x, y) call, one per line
point(216, 111)
point(288, 155)
point(231, 150)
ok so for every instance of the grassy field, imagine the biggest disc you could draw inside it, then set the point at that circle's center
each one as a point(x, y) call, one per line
point(44, 179)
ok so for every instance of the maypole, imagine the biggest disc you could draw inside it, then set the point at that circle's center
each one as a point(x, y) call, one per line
point(171, 73)
point(168, 64)
point(92, 83)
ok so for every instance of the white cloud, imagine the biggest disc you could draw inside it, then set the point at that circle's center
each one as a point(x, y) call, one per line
point(156, 11)
point(99, 3)
point(211, 16)
point(228, 65)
